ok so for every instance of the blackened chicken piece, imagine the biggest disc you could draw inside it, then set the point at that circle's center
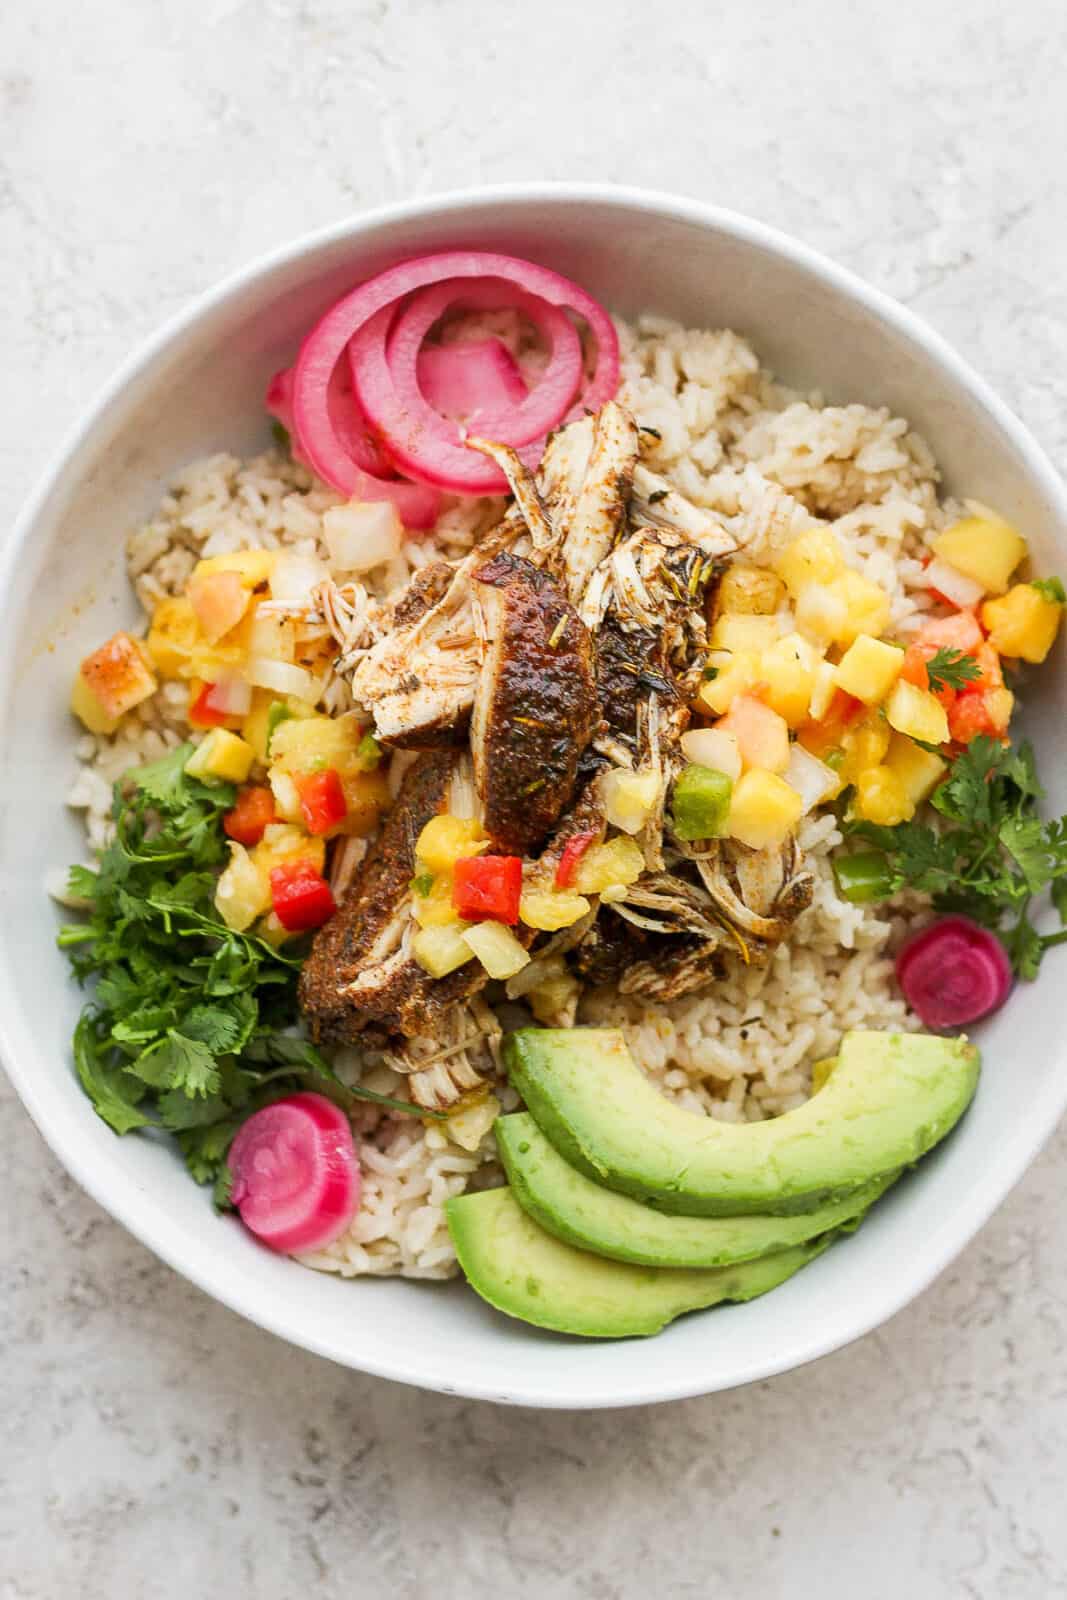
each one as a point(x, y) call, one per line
point(360, 974)
point(535, 706)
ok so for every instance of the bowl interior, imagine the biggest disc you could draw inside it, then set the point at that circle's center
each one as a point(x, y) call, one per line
point(199, 390)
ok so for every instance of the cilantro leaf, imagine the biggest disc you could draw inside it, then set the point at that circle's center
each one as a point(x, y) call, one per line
point(1050, 589)
point(951, 669)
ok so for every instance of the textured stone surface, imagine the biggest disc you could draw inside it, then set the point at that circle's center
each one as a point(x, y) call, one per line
point(151, 1444)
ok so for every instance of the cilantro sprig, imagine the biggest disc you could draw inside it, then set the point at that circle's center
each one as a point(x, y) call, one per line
point(190, 1025)
point(991, 855)
point(951, 669)
point(1050, 589)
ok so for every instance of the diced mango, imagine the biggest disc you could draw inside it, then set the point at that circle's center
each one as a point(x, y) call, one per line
point(787, 670)
point(763, 810)
point(253, 567)
point(985, 548)
point(310, 744)
point(1022, 623)
point(733, 675)
point(173, 636)
point(917, 713)
point(882, 798)
point(867, 607)
point(497, 948)
point(221, 756)
point(734, 631)
point(918, 770)
point(814, 557)
point(440, 951)
point(111, 682)
point(869, 669)
point(749, 591)
point(616, 861)
point(243, 892)
point(549, 910)
point(219, 601)
point(762, 735)
point(446, 839)
point(629, 798)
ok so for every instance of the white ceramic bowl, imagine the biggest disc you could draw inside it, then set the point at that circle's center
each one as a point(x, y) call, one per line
point(197, 387)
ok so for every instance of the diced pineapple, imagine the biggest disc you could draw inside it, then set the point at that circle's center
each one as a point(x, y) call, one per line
point(917, 713)
point(219, 601)
point(469, 1124)
point(814, 557)
point(761, 734)
point(311, 744)
point(1000, 703)
point(221, 756)
point(738, 632)
point(1023, 623)
point(733, 675)
point(629, 797)
point(821, 612)
point(210, 662)
point(286, 795)
point(763, 810)
point(111, 682)
point(869, 669)
point(918, 770)
point(602, 866)
point(253, 567)
point(822, 690)
point(497, 948)
point(435, 909)
point(268, 635)
point(256, 726)
point(882, 798)
point(366, 796)
point(446, 839)
point(549, 910)
point(787, 669)
point(751, 591)
point(440, 951)
point(863, 745)
point(866, 604)
point(243, 892)
point(983, 547)
point(173, 636)
point(283, 843)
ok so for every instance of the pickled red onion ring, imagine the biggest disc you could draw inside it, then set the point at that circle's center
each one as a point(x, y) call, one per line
point(432, 457)
point(464, 381)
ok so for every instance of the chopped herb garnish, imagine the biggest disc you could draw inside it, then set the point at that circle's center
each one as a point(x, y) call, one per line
point(951, 669)
point(1050, 589)
point(423, 884)
point(279, 712)
point(369, 752)
point(991, 855)
point(709, 674)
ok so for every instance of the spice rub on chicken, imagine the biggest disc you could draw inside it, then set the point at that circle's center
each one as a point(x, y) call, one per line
point(535, 708)
point(549, 679)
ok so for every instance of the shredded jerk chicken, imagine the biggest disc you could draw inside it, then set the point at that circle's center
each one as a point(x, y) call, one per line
point(565, 648)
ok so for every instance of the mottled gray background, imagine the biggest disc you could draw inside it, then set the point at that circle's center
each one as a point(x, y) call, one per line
point(152, 1444)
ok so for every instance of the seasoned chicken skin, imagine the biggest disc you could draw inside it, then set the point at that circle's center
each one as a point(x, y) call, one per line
point(536, 705)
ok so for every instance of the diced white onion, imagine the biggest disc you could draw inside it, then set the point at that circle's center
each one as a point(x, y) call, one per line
point(713, 747)
point(294, 578)
point(629, 798)
point(283, 678)
point(813, 781)
point(956, 586)
point(362, 535)
point(271, 635)
point(230, 695)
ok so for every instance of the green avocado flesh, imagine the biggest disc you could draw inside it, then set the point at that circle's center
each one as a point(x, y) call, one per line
point(890, 1098)
point(579, 1211)
point(527, 1273)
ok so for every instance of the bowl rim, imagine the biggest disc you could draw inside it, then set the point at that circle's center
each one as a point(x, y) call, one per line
point(1012, 1158)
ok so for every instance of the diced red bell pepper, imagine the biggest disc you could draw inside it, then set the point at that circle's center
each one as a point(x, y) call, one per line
point(973, 714)
point(202, 714)
point(253, 813)
point(959, 632)
point(322, 800)
point(573, 851)
point(488, 888)
point(300, 896)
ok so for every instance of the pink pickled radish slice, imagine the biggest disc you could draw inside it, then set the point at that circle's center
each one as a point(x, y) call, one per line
point(954, 972)
point(295, 1173)
point(368, 474)
point(325, 345)
point(464, 380)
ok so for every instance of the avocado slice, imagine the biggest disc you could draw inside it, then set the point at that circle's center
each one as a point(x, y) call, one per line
point(584, 1214)
point(523, 1271)
point(890, 1098)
